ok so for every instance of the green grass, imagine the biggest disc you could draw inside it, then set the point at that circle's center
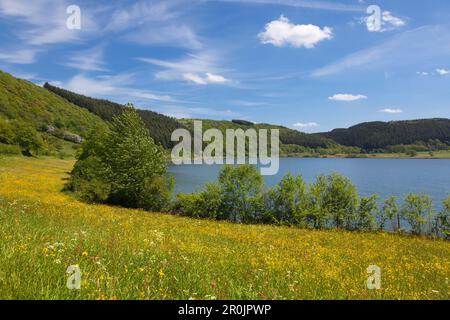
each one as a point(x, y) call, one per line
point(132, 254)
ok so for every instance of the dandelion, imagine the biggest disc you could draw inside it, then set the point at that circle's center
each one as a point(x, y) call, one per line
point(84, 254)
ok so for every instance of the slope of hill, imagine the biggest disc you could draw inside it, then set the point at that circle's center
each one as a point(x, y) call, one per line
point(379, 135)
point(28, 111)
point(160, 126)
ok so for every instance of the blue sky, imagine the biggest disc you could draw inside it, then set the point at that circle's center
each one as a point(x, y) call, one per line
point(306, 64)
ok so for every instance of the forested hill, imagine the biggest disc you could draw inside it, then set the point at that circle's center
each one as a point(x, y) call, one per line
point(160, 126)
point(287, 136)
point(33, 119)
point(379, 135)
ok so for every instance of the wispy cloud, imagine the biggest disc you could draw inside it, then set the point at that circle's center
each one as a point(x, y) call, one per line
point(199, 69)
point(88, 60)
point(346, 97)
point(195, 112)
point(282, 32)
point(391, 110)
point(154, 23)
point(426, 43)
point(306, 125)
point(21, 56)
point(309, 4)
point(113, 86)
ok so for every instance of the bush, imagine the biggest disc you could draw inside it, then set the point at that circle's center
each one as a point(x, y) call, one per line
point(367, 209)
point(442, 220)
point(287, 202)
point(241, 190)
point(418, 211)
point(204, 204)
point(339, 200)
point(389, 212)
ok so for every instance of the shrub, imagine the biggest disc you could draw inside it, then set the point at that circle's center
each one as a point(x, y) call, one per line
point(367, 209)
point(287, 202)
point(389, 212)
point(204, 204)
point(241, 190)
point(417, 210)
point(442, 220)
point(340, 200)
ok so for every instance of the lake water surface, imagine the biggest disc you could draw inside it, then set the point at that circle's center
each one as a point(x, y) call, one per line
point(382, 176)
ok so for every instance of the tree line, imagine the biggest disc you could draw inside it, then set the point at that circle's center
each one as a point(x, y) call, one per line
point(380, 135)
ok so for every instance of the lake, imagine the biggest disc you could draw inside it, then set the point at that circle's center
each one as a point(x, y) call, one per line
point(382, 176)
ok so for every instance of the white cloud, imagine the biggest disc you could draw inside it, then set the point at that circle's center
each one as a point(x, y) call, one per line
point(443, 72)
point(389, 110)
point(194, 78)
point(200, 69)
point(423, 73)
point(209, 78)
point(89, 60)
point(388, 22)
point(282, 32)
point(21, 56)
point(347, 97)
point(306, 125)
point(195, 112)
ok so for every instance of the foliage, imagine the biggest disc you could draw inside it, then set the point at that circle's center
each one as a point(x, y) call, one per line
point(287, 202)
point(389, 212)
point(122, 165)
point(241, 193)
point(417, 210)
point(368, 207)
point(29, 112)
point(381, 135)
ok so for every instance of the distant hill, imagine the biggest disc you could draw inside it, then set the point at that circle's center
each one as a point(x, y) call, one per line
point(160, 126)
point(379, 135)
point(287, 136)
point(28, 111)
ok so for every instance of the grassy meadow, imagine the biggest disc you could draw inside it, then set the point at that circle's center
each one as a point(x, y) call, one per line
point(132, 254)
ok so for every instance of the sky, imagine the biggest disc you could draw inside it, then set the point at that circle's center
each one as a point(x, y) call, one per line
point(305, 64)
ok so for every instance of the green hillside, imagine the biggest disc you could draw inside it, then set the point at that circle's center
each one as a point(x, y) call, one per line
point(31, 115)
point(159, 126)
point(287, 136)
point(380, 135)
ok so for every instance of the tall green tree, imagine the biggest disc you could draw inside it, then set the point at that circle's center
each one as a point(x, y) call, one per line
point(122, 165)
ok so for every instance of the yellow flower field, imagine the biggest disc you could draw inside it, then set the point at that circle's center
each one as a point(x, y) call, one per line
point(133, 254)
